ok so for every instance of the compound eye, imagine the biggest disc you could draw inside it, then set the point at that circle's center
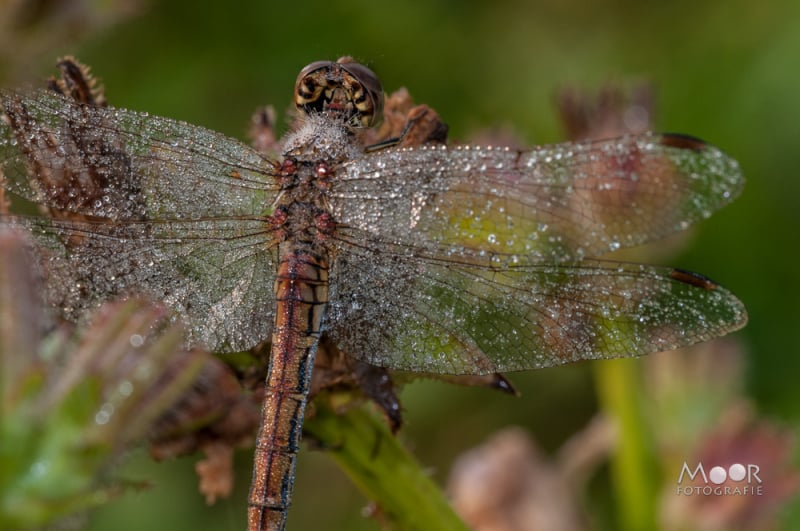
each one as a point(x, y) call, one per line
point(366, 90)
point(313, 67)
point(345, 87)
point(310, 84)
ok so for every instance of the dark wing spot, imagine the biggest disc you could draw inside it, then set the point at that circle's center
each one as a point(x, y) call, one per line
point(681, 141)
point(693, 279)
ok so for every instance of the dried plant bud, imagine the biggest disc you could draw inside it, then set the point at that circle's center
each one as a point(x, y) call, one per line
point(610, 113)
point(414, 125)
point(508, 484)
point(77, 82)
point(262, 131)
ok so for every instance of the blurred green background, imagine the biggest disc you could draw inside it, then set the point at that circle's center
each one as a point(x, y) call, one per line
point(726, 71)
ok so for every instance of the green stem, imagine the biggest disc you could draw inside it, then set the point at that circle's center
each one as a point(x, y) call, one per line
point(633, 468)
point(361, 443)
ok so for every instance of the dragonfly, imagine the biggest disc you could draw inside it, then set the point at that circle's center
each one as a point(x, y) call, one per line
point(453, 260)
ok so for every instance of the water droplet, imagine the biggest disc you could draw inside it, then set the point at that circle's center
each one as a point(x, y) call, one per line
point(136, 340)
point(104, 415)
point(125, 388)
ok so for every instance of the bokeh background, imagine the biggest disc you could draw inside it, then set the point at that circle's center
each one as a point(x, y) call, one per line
point(726, 71)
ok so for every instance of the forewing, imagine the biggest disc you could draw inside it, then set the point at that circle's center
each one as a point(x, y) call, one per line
point(215, 274)
point(400, 308)
point(137, 204)
point(556, 203)
point(119, 164)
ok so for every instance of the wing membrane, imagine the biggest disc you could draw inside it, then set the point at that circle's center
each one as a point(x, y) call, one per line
point(121, 164)
point(216, 274)
point(556, 203)
point(410, 311)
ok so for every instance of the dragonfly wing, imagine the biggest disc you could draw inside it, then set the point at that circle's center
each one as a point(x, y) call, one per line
point(557, 203)
point(398, 307)
point(121, 164)
point(215, 274)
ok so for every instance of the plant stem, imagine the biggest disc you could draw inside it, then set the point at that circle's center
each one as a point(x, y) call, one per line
point(361, 443)
point(633, 469)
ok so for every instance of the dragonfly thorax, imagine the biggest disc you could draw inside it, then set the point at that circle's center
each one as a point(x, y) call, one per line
point(302, 221)
point(322, 137)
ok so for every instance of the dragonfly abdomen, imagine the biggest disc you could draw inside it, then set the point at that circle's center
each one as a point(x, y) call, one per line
point(301, 290)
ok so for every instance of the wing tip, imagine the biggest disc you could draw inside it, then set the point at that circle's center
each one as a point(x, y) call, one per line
point(716, 164)
point(739, 312)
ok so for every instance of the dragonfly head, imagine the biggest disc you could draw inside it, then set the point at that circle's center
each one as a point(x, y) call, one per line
point(344, 88)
